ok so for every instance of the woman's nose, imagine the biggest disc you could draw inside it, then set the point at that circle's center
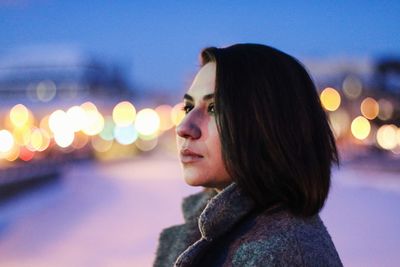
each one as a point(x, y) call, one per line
point(189, 128)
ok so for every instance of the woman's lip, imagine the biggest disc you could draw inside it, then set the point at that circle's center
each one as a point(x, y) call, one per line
point(188, 156)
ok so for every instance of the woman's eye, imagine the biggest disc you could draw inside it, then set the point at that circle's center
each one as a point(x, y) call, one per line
point(211, 109)
point(187, 108)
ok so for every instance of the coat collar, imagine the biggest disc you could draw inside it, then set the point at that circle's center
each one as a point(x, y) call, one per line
point(220, 214)
point(223, 211)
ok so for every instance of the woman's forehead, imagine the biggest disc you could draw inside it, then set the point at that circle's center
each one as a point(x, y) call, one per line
point(204, 82)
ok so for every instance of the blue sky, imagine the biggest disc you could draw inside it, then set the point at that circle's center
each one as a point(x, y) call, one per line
point(159, 41)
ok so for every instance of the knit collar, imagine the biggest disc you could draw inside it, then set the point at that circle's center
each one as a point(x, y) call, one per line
point(223, 211)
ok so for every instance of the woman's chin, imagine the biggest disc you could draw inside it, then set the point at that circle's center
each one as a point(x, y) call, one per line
point(193, 181)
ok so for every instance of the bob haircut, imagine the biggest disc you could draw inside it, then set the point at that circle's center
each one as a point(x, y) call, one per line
point(276, 142)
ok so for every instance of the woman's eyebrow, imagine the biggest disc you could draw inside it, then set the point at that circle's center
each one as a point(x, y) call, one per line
point(205, 98)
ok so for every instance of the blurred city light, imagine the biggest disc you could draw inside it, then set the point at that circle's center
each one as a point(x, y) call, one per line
point(101, 145)
point(386, 136)
point(125, 135)
point(146, 145)
point(94, 122)
point(147, 122)
point(164, 112)
point(352, 87)
point(108, 131)
point(77, 116)
point(340, 122)
point(369, 108)
point(385, 109)
point(46, 91)
point(6, 141)
point(19, 115)
point(360, 128)
point(124, 113)
point(177, 114)
point(330, 99)
point(64, 139)
point(25, 154)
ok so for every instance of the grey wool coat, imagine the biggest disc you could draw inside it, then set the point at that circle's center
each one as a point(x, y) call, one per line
point(225, 229)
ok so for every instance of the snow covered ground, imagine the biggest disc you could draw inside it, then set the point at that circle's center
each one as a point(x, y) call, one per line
point(110, 214)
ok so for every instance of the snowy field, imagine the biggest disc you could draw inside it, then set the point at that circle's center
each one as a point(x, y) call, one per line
point(110, 214)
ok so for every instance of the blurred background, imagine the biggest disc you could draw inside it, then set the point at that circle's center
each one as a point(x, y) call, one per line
point(90, 94)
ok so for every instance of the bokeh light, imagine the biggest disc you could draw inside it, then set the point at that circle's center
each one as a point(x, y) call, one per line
point(22, 135)
point(108, 130)
point(77, 116)
point(385, 109)
point(6, 141)
point(177, 114)
point(94, 123)
point(19, 115)
point(59, 121)
point(46, 90)
point(39, 141)
point(360, 128)
point(12, 154)
point(124, 113)
point(352, 87)
point(386, 136)
point(125, 135)
point(340, 122)
point(25, 154)
point(146, 145)
point(369, 108)
point(101, 145)
point(147, 122)
point(164, 112)
point(330, 99)
point(64, 139)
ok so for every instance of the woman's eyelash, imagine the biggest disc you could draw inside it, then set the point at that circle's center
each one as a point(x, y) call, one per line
point(187, 108)
point(211, 108)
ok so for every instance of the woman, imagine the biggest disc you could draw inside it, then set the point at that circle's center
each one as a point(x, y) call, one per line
point(255, 136)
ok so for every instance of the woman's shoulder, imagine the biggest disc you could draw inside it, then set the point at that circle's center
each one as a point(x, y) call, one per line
point(280, 238)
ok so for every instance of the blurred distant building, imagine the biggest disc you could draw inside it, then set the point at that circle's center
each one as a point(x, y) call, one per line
point(388, 74)
point(56, 77)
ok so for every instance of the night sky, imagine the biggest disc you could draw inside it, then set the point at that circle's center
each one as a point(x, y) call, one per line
point(157, 42)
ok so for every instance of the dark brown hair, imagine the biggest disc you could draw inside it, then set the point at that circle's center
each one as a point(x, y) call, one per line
point(276, 141)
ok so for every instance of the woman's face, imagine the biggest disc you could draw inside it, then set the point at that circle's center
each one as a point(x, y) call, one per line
point(198, 141)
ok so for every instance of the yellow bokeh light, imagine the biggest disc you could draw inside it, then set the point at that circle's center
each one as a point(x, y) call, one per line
point(101, 145)
point(330, 99)
point(89, 106)
point(6, 141)
point(369, 108)
point(64, 139)
point(147, 122)
point(44, 124)
point(80, 140)
point(58, 121)
point(19, 115)
point(12, 154)
point(360, 128)
point(164, 112)
point(36, 140)
point(386, 136)
point(94, 123)
point(40, 140)
point(177, 114)
point(22, 136)
point(124, 113)
point(77, 117)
